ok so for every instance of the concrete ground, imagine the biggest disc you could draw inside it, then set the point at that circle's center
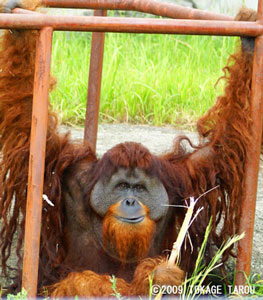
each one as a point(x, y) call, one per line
point(159, 140)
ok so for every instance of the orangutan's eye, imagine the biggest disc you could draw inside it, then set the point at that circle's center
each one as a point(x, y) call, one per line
point(123, 186)
point(140, 188)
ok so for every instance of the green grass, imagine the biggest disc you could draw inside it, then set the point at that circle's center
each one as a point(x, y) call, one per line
point(147, 79)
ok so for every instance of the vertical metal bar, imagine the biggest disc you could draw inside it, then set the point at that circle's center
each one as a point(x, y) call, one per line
point(94, 85)
point(37, 161)
point(252, 164)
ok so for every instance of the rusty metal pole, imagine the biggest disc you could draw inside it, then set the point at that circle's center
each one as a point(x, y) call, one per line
point(170, 10)
point(37, 161)
point(94, 85)
point(252, 164)
point(130, 25)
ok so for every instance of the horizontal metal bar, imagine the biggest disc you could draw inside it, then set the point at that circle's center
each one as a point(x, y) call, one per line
point(169, 10)
point(131, 25)
point(24, 11)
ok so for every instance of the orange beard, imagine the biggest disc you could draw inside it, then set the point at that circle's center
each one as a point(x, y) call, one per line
point(130, 241)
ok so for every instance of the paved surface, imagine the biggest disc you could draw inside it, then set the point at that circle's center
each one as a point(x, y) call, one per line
point(159, 140)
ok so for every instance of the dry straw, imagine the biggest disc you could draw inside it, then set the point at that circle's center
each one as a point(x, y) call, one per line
point(188, 220)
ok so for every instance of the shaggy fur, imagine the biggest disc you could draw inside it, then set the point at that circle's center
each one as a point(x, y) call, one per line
point(218, 159)
point(92, 284)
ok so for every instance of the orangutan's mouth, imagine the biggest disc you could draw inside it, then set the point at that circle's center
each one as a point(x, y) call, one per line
point(131, 220)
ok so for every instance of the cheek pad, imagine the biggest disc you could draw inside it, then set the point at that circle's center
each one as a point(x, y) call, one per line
point(100, 200)
point(157, 202)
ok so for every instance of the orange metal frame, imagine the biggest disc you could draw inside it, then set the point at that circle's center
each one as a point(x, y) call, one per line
point(208, 23)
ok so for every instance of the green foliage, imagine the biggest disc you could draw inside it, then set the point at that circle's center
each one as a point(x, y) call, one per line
point(150, 79)
point(255, 282)
point(197, 282)
point(115, 293)
point(150, 286)
point(19, 296)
